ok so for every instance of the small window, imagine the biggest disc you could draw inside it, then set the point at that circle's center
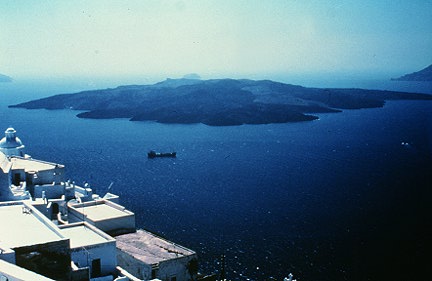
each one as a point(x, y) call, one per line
point(173, 278)
point(55, 209)
point(17, 179)
point(96, 268)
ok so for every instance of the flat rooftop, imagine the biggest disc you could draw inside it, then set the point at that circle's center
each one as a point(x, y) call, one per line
point(101, 211)
point(149, 248)
point(83, 235)
point(21, 226)
point(32, 164)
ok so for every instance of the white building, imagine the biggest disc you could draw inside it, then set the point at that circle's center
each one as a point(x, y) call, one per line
point(62, 231)
point(22, 177)
point(108, 216)
point(147, 256)
point(70, 252)
point(92, 251)
point(33, 241)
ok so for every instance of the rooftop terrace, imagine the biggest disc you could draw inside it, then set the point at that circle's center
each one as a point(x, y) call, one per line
point(23, 225)
point(82, 235)
point(107, 216)
point(97, 212)
point(149, 248)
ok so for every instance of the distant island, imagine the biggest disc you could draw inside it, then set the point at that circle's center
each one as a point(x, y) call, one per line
point(5, 78)
point(422, 75)
point(217, 102)
point(192, 76)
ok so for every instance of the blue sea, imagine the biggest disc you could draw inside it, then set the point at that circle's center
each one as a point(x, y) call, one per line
point(339, 198)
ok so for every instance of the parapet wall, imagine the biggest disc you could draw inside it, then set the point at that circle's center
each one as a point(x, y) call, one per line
point(112, 218)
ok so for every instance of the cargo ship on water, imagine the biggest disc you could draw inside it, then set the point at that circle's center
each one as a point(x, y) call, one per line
point(55, 229)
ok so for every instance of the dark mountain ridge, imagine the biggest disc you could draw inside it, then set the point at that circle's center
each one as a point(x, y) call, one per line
point(217, 102)
point(422, 75)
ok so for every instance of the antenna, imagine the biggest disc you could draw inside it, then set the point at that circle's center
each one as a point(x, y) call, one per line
point(109, 187)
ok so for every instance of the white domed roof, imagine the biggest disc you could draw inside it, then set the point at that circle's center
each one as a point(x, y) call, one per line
point(11, 144)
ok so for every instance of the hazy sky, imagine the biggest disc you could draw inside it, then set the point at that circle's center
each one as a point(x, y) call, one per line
point(213, 38)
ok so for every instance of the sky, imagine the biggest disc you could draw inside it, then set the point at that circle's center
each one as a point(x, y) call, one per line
point(213, 38)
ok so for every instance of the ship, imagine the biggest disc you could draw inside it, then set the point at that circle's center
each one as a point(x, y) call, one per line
point(154, 154)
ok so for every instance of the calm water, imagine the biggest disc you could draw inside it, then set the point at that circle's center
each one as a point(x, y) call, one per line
point(334, 199)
